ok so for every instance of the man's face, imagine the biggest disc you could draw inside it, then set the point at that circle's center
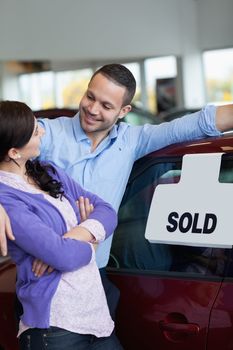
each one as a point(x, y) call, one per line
point(101, 106)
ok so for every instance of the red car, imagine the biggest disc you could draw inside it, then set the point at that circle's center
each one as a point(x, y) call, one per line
point(174, 296)
point(8, 340)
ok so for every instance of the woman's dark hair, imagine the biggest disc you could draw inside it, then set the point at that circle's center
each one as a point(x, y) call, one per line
point(120, 75)
point(17, 124)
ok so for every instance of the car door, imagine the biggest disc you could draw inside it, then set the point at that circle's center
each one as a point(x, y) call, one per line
point(167, 291)
point(220, 334)
point(8, 339)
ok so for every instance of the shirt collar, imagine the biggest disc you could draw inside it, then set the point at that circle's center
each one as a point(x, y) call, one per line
point(77, 129)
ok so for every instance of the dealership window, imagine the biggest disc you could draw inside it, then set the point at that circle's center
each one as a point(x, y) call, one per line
point(160, 75)
point(37, 90)
point(218, 70)
point(134, 67)
point(54, 89)
point(40, 87)
point(70, 87)
point(43, 90)
point(48, 89)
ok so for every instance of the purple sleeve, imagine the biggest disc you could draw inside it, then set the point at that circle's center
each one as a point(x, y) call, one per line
point(34, 237)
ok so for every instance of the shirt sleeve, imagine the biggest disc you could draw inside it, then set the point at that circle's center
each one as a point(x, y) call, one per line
point(149, 138)
point(52, 140)
point(44, 146)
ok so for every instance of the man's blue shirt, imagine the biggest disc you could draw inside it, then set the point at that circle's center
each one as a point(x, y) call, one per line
point(106, 170)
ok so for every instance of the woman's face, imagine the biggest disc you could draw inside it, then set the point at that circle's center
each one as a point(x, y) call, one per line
point(32, 148)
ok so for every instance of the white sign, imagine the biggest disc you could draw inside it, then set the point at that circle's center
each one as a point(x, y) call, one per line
point(196, 211)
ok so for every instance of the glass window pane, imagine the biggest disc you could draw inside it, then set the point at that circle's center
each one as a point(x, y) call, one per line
point(158, 68)
point(130, 249)
point(218, 69)
point(70, 87)
point(135, 70)
point(37, 90)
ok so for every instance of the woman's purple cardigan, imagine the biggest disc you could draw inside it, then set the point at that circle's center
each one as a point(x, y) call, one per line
point(38, 228)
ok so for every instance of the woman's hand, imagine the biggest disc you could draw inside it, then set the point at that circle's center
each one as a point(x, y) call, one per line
point(85, 208)
point(80, 233)
point(5, 231)
point(39, 268)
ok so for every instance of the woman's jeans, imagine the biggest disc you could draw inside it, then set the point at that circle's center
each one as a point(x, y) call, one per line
point(55, 338)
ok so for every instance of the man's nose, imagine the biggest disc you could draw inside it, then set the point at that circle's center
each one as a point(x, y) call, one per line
point(93, 108)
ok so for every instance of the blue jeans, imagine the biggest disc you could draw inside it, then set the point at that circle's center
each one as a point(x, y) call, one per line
point(55, 338)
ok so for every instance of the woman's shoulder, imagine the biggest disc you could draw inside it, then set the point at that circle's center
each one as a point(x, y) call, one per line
point(59, 174)
point(11, 197)
point(54, 170)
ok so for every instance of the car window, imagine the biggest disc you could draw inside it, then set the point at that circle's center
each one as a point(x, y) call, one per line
point(131, 251)
point(226, 171)
point(226, 176)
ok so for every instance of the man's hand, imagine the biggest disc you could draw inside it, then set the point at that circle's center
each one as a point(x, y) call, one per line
point(5, 231)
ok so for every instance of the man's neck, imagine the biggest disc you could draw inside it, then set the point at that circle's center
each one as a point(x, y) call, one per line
point(96, 139)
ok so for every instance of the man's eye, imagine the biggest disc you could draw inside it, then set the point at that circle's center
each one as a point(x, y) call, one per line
point(106, 107)
point(90, 97)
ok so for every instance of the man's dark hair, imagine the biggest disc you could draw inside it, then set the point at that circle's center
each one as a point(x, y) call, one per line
point(120, 75)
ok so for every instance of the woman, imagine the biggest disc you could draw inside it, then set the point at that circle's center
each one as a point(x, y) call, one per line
point(65, 309)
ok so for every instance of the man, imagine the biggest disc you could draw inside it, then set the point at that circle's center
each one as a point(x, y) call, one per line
point(99, 153)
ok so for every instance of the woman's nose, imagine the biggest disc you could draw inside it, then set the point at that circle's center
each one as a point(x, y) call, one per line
point(41, 131)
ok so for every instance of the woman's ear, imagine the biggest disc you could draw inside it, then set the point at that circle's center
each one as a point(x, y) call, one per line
point(13, 153)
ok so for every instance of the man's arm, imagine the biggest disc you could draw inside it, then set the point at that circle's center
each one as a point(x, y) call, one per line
point(224, 117)
point(5, 230)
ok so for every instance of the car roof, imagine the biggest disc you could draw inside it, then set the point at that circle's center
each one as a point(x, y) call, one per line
point(223, 144)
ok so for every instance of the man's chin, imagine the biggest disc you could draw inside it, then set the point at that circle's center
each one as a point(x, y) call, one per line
point(87, 126)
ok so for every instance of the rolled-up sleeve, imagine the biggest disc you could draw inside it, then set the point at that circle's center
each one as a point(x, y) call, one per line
point(207, 121)
point(194, 126)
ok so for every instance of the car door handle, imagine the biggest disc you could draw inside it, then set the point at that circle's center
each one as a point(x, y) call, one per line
point(189, 328)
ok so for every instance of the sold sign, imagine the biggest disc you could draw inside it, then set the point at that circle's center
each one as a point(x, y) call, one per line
point(193, 211)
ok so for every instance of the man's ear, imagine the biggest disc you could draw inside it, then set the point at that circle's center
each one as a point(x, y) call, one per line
point(124, 110)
